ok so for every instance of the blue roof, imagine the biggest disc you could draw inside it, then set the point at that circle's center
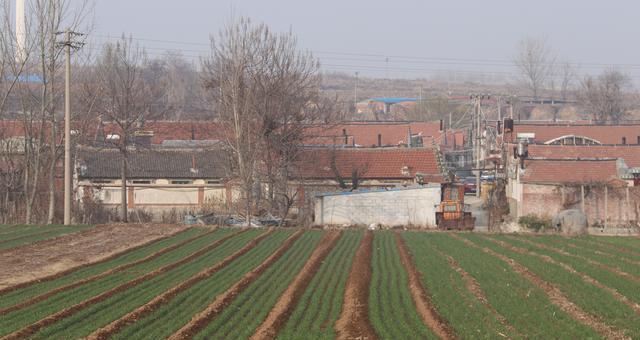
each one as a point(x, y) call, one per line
point(27, 78)
point(393, 100)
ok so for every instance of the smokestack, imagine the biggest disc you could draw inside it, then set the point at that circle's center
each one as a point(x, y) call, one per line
point(21, 32)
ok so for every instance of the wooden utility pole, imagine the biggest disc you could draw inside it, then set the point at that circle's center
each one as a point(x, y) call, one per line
point(68, 44)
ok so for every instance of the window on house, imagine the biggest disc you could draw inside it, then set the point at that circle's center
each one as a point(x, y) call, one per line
point(181, 182)
point(146, 181)
point(213, 182)
point(624, 140)
point(101, 181)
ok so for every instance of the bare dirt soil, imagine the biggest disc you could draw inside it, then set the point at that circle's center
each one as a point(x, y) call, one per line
point(279, 315)
point(420, 296)
point(200, 320)
point(555, 295)
point(41, 259)
point(354, 320)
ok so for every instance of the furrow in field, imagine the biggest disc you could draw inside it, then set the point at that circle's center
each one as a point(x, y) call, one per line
point(619, 297)
point(556, 296)
point(603, 253)
point(354, 319)
point(96, 277)
point(614, 270)
point(74, 269)
point(51, 319)
point(421, 298)
point(142, 311)
point(474, 288)
point(279, 315)
point(199, 321)
point(626, 244)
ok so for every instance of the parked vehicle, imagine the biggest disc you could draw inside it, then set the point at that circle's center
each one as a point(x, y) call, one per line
point(452, 213)
point(470, 185)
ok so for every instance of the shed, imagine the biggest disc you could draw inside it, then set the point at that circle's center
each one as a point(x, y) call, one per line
point(414, 206)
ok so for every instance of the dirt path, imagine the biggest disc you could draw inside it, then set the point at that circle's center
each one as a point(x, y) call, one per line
point(354, 319)
point(51, 319)
point(43, 260)
point(421, 298)
point(621, 298)
point(614, 270)
point(555, 295)
point(279, 315)
point(120, 268)
point(112, 328)
point(200, 320)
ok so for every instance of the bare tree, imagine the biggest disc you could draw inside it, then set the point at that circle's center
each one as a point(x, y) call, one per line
point(267, 92)
point(567, 78)
point(534, 60)
point(607, 97)
point(126, 99)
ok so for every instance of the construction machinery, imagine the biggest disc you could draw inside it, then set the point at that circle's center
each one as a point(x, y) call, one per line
point(452, 213)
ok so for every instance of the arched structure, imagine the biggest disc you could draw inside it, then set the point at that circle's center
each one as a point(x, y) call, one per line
point(573, 140)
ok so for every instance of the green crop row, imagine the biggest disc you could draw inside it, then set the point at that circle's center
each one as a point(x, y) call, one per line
point(247, 311)
point(175, 313)
point(391, 309)
point(469, 318)
point(625, 287)
point(610, 249)
point(628, 243)
point(320, 305)
point(560, 243)
point(104, 312)
point(20, 318)
point(28, 236)
point(593, 300)
point(525, 306)
point(20, 295)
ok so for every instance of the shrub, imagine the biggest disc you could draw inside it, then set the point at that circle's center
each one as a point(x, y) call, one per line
point(535, 223)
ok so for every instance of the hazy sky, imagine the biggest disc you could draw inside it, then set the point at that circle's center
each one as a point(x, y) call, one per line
point(358, 35)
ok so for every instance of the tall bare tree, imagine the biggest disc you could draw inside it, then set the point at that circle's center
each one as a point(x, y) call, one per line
point(534, 59)
point(608, 97)
point(125, 99)
point(267, 92)
point(567, 74)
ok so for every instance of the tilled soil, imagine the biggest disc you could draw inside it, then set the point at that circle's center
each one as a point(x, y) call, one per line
point(200, 320)
point(354, 319)
point(556, 296)
point(96, 277)
point(148, 308)
point(420, 297)
point(277, 317)
point(49, 257)
point(51, 319)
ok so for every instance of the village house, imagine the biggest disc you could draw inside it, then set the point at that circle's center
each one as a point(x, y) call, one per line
point(159, 180)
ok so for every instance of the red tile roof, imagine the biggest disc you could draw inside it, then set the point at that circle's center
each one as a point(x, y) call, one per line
point(629, 153)
point(377, 163)
point(569, 171)
point(365, 134)
point(605, 134)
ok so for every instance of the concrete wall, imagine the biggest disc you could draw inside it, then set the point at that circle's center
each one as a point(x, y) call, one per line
point(548, 200)
point(414, 206)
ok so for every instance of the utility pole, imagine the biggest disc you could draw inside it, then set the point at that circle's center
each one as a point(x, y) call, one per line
point(478, 141)
point(68, 45)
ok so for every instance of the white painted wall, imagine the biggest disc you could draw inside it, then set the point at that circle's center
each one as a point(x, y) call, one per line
point(415, 206)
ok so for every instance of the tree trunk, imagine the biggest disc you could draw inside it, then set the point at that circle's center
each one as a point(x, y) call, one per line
point(123, 188)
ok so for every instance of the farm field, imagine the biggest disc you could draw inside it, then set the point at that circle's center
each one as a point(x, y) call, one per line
point(230, 283)
point(18, 235)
